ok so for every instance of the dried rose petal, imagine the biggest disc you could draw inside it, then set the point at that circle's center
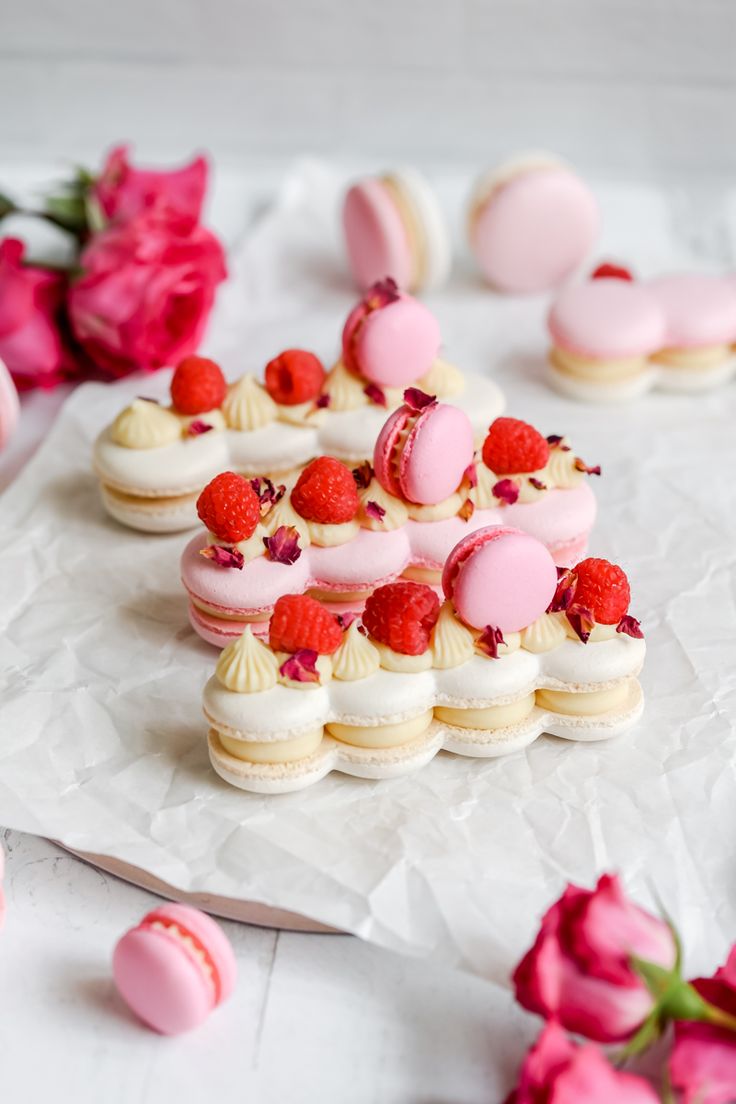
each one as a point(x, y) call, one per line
point(382, 293)
point(506, 490)
point(581, 466)
point(418, 400)
point(301, 666)
point(363, 475)
point(565, 593)
point(268, 493)
point(375, 394)
point(198, 427)
point(345, 620)
point(630, 626)
point(147, 398)
point(471, 475)
point(537, 484)
point(323, 401)
point(373, 510)
point(582, 621)
point(223, 556)
point(467, 510)
point(489, 641)
point(554, 439)
point(283, 546)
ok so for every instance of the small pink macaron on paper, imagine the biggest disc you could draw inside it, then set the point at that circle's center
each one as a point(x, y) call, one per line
point(501, 578)
point(531, 223)
point(9, 406)
point(700, 323)
point(394, 224)
point(423, 450)
point(174, 968)
point(389, 338)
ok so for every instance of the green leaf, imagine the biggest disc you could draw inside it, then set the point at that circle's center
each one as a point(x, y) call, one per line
point(7, 207)
point(658, 979)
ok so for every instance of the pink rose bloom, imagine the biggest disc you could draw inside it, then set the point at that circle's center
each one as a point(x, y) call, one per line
point(30, 345)
point(555, 1071)
point(124, 192)
point(579, 971)
point(145, 294)
point(703, 1059)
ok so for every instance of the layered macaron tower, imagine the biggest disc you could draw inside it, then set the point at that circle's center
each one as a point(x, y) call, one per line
point(153, 460)
point(338, 534)
point(614, 338)
point(516, 648)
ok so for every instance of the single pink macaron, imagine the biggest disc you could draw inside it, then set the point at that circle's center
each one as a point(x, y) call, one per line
point(394, 224)
point(499, 577)
point(531, 224)
point(390, 338)
point(174, 968)
point(422, 451)
point(607, 319)
point(9, 406)
point(699, 310)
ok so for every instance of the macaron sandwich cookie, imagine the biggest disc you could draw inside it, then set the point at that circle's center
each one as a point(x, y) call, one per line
point(615, 338)
point(393, 223)
point(531, 223)
point(153, 460)
point(338, 534)
point(516, 648)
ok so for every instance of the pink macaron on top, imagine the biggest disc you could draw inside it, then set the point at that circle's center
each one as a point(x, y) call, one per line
point(389, 338)
point(608, 318)
point(422, 453)
point(500, 577)
point(699, 309)
point(375, 235)
point(174, 968)
point(534, 229)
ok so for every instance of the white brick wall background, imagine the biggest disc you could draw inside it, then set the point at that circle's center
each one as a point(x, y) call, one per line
point(621, 87)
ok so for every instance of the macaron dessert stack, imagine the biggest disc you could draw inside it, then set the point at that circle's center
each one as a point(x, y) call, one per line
point(393, 223)
point(515, 649)
point(338, 534)
point(614, 338)
point(153, 460)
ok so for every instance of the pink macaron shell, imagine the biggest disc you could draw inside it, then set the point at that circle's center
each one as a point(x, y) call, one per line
point(162, 981)
point(397, 343)
point(9, 406)
point(383, 451)
point(500, 577)
point(375, 236)
point(699, 309)
point(607, 319)
point(535, 229)
point(435, 455)
point(257, 587)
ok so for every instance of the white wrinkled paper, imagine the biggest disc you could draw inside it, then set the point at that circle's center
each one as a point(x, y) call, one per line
point(103, 743)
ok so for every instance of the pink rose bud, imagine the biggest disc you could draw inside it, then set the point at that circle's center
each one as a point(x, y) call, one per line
point(556, 1070)
point(703, 1060)
point(30, 345)
point(579, 970)
point(124, 192)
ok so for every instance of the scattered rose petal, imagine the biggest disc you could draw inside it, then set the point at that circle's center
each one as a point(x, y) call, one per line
point(418, 400)
point(506, 490)
point(198, 427)
point(268, 493)
point(345, 620)
point(373, 510)
point(363, 475)
point(223, 556)
point(630, 626)
point(582, 621)
point(147, 398)
point(467, 510)
point(489, 641)
point(283, 546)
point(375, 394)
point(611, 272)
point(382, 293)
point(471, 474)
point(323, 401)
point(581, 466)
point(537, 484)
point(554, 439)
point(565, 592)
point(301, 666)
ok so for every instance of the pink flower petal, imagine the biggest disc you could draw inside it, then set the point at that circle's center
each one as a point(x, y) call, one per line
point(471, 475)
point(345, 620)
point(301, 666)
point(506, 490)
point(382, 293)
point(283, 546)
point(418, 400)
point(582, 621)
point(268, 493)
point(198, 427)
point(223, 556)
point(581, 466)
point(373, 510)
point(467, 510)
point(489, 641)
point(537, 484)
point(375, 394)
point(565, 593)
point(323, 401)
point(630, 626)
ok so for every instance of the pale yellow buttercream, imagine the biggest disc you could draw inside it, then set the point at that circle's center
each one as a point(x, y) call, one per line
point(437, 511)
point(443, 380)
point(596, 371)
point(274, 751)
point(356, 658)
point(451, 643)
point(323, 667)
point(397, 661)
point(544, 634)
point(698, 359)
point(395, 514)
point(330, 536)
point(490, 717)
point(587, 703)
point(382, 735)
point(247, 665)
point(248, 405)
point(346, 390)
point(300, 414)
point(212, 418)
point(430, 575)
point(561, 470)
point(145, 425)
point(284, 513)
point(597, 633)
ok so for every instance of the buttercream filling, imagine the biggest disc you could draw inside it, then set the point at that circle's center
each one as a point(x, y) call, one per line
point(193, 946)
point(330, 536)
point(248, 406)
point(436, 511)
point(381, 735)
point(397, 661)
point(443, 380)
point(594, 370)
point(700, 358)
point(412, 227)
point(492, 716)
point(584, 703)
point(273, 751)
point(430, 575)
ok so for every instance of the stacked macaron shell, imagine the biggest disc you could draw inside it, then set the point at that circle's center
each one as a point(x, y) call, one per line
point(393, 224)
point(513, 651)
point(174, 968)
point(153, 460)
point(340, 534)
point(616, 338)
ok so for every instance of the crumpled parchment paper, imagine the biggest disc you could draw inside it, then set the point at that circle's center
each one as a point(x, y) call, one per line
point(102, 744)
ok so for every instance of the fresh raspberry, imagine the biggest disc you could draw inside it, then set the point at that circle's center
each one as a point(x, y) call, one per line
point(513, 446)
point(602, 588)
point(294, 376)
point(229, 507)
point(608, 271)
point(299, 621)
point(325, 492)
point(197, 386)
point(402, 615)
